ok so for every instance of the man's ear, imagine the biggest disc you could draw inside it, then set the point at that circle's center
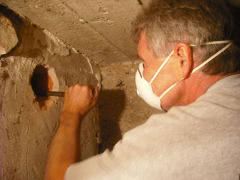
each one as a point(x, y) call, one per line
point(183, 53)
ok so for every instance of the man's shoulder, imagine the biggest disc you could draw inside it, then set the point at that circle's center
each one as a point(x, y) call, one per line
point(219, 107)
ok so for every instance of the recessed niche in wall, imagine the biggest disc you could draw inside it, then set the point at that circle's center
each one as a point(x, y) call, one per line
point(43, 80)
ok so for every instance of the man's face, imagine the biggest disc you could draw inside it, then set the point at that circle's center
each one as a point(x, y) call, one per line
point(170, 74)
point(151, 63)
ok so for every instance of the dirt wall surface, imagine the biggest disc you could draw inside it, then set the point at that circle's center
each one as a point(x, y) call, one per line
point(26, 129)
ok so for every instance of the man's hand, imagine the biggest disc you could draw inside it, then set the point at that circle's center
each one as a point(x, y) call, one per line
point(80, 99)
point(64, 149)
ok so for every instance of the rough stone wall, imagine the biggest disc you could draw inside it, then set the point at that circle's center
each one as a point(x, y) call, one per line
point(101, 30)
point(26, 130)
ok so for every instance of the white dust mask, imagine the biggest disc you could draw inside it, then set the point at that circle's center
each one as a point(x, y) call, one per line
point(144, 88)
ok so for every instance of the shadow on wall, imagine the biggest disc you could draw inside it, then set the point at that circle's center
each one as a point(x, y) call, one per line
point(111, 106)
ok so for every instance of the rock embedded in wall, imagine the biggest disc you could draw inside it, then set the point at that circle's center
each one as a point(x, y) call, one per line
point(8, 35)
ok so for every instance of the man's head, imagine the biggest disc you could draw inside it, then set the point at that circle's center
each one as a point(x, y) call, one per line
point(173, 25)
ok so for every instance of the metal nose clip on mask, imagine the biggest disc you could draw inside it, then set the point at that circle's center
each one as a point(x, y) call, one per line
point(144, 88)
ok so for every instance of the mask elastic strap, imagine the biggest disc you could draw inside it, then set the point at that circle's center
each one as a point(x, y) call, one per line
point(199, 67)
point(193, 45)
point(212, 57)
point(169, 89)
point(160, 68)
point(212, 43)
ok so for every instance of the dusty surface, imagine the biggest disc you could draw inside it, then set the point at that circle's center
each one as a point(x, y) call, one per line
point(26, 130)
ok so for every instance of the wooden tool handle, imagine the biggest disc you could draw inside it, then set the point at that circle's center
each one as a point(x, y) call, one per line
point(55, 93)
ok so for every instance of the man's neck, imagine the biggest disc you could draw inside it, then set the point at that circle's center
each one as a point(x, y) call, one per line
point(197, 85)
point(189, 90)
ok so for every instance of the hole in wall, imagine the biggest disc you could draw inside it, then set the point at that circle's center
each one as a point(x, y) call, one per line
point(43, 80)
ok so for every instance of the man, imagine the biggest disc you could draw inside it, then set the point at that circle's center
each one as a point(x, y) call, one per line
point(190, 70)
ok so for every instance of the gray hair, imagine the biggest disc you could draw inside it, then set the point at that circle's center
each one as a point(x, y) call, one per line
point(167, 22)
